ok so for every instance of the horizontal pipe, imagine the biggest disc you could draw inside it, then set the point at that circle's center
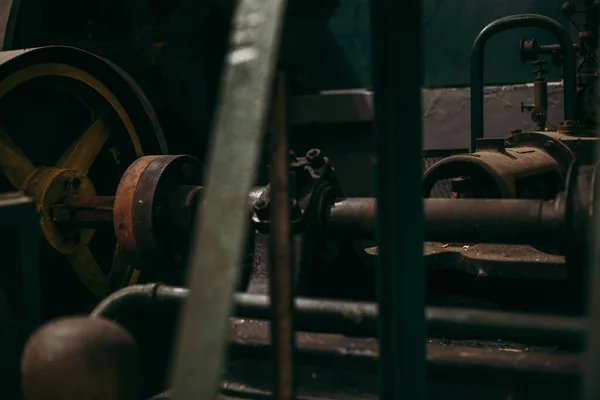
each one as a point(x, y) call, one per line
point(93, 211)
point(511, 369)
point(360, 318)
point(459, 360)
point(520, 221)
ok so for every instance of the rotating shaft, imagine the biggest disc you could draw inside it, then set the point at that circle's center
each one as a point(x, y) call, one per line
point(518, 221)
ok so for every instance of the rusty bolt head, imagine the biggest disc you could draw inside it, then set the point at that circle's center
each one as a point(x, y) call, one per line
point(568, 9)
point(261, 208)
point(75, 183)
point(315, 158)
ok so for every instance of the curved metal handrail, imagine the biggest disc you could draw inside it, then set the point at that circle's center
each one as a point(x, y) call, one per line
point(477, 63)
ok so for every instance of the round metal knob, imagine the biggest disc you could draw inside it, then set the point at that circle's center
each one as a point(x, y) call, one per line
point(81, 359)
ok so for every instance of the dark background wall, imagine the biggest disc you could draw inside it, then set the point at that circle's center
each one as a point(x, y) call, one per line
point(343, 52)
point(333, 50)
point(450, 28)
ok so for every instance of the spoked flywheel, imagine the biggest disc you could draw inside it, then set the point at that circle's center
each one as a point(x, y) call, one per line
point(70, 125)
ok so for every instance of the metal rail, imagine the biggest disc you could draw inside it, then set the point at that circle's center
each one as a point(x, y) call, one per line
point(219, 236)
point(280, 251)
point(360, 318)
point(477, 62)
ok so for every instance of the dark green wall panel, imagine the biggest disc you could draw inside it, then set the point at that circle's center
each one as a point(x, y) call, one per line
point(450, 28)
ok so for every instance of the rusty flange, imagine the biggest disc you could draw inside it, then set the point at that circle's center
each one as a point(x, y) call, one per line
point(141, 218)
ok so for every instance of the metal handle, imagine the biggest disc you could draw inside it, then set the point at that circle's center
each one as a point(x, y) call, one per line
point(477, 63)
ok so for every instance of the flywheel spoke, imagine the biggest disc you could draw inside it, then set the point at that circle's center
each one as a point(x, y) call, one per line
point(13, 162)
point(83, 152)
point(87, 269)
point(121, 272)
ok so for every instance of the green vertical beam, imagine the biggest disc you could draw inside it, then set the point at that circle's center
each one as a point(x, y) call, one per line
point(397, 66)
point(591, 382)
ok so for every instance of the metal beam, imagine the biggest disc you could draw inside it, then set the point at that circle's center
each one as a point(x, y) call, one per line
point(397, 66)
point(590, 382)
point(219, 236)
point(280, 251)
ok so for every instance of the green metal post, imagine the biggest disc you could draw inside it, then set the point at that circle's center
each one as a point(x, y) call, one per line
point(591, 381)
point(401, 277)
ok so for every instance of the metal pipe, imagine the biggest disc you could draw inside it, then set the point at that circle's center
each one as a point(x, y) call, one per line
point(520, 221)
point(94, 211)
point(360, 318)
point(493, 221)
point(280, 251)
point(522, 372)
point(398, 128)
point(84, 211)
point(477, 65)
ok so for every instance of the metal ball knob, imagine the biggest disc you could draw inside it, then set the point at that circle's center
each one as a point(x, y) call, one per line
point(83, 359)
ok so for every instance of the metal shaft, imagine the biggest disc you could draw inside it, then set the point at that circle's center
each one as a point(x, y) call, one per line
point(521, 221)
point(280, 258)
point(85, 211)
point(360, 318)
point(463, 220)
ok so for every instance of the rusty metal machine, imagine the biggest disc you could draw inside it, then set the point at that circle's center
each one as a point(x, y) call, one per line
point(168, 245)
point(528, 163)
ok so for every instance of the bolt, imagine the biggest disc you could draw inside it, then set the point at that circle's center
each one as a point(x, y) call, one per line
point(315, 158)
point(261, 208)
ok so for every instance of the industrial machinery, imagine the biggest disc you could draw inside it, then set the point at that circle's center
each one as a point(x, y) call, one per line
point(168, 245)
point(528, 163)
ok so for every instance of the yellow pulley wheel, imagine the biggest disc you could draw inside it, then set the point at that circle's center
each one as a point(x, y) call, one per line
point(70, 125)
